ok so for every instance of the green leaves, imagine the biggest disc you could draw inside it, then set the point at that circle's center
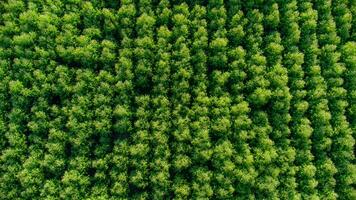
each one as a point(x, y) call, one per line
point(177, 99)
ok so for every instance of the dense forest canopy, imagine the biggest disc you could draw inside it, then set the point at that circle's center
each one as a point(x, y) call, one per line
point(174, 99)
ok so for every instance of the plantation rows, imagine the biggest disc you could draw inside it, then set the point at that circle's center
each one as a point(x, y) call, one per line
point(173, 99)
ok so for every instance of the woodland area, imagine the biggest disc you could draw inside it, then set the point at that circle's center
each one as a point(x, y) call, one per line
point(175, 99)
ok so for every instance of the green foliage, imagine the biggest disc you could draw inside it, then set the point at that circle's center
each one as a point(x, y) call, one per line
point(163, 99)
